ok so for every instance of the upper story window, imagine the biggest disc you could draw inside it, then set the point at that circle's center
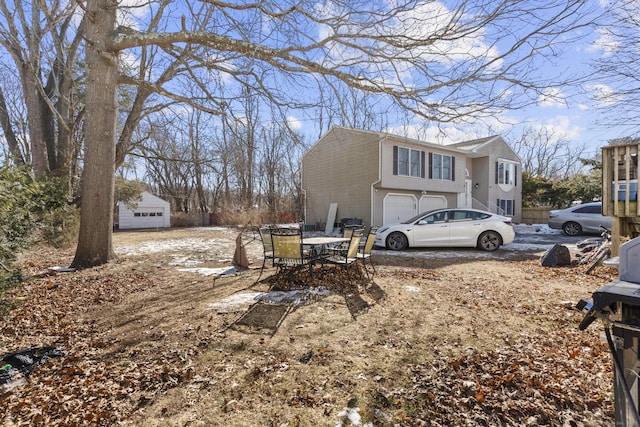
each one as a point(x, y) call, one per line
point(506, 173)
point(408, 162)
point(442, 166)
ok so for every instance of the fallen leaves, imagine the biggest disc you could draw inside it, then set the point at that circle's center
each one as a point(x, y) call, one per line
point(82, 388)
point(529, 379)
point(541, 371)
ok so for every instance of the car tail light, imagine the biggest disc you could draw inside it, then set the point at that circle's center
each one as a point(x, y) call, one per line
point(508, 223)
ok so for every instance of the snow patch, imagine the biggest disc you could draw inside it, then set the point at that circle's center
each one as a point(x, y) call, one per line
point(210, 271)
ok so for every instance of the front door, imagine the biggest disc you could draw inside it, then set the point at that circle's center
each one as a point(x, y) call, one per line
point(465, 199)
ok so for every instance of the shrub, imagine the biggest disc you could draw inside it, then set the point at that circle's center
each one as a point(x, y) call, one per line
point(26, 204)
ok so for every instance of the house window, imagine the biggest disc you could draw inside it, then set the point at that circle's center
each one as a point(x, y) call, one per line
point(442, 166)
point(507, 207)
point(136, 214)
point(506, 173)
point(408, 162)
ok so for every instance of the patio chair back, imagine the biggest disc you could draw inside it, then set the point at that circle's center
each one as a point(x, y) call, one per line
point(286, 244)
point(354, 244)
point(371, 237)
point(365, 253)
point(347, 232)
point(289, 253)
point(265, 235)
point(267, 247)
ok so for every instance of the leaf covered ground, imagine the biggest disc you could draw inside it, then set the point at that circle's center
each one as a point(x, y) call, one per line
point(153, 340)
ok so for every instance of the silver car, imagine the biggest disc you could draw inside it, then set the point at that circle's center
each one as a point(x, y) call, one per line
point(580, 219)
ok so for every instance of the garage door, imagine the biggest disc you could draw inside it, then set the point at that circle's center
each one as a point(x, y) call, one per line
point(398, 207)
point(429, 203)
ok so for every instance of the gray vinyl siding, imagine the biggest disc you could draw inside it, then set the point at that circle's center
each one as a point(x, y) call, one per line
point(340, 169)
point(412, 183)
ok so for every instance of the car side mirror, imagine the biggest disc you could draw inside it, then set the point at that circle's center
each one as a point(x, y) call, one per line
point(422, 222)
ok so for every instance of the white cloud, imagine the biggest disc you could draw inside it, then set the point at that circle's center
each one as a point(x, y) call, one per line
point(131, 11)
point(294, 123)
point(130, 61)
point(564, 128)
point(605, 43)
point(423, 22)
point(604, 95)
point(552, 97)
point(448, 134)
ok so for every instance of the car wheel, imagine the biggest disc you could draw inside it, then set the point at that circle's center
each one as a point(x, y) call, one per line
point(489, 241)
point(397, 241)
point(572, 229)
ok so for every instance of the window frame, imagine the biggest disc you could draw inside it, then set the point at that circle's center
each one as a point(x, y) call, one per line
point(409, 162)
point(439, 167)
point(506, 172)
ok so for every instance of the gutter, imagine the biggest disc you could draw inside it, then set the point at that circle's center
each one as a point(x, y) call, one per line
point(373, 184)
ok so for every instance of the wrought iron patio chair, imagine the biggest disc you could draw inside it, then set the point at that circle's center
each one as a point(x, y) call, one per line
point(364, 253)
point(347, 232)
point(347, 259)
point(267, 246)
point(288, 252)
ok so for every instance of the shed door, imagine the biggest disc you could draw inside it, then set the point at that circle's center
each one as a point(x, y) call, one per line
point(398, 207)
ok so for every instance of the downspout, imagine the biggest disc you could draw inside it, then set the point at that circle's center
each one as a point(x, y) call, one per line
point(373, 184)
point(304, 194)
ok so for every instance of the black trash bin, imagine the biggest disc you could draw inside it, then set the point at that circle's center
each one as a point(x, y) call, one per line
point(617, 305)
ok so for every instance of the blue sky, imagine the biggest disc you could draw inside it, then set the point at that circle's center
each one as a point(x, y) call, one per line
point(578, 114)
point(573, 113)
point(570, 113)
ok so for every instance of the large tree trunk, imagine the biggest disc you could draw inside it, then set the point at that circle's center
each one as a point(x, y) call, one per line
point(96, 207)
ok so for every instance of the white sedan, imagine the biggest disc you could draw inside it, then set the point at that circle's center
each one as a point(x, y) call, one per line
point(448, 227)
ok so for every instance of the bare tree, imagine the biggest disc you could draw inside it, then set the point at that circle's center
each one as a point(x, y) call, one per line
point(43, 41)
point(169, 162)
point(618, 94)
point(547, 155)
point(279, 174)
point(241, 128)
point(14, 135)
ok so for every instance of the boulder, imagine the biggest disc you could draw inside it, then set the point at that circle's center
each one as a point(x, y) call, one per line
point(557, 256)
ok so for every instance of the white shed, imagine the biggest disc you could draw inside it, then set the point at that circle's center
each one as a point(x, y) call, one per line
point(150, 212)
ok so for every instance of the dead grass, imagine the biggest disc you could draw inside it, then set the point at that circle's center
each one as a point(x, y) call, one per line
point(436, 342)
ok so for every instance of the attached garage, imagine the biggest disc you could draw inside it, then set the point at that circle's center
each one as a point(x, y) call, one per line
point(150, 212)
point(429, 203)
point(398, 207)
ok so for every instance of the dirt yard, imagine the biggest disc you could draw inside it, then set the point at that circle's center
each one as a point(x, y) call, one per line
point(158, 339)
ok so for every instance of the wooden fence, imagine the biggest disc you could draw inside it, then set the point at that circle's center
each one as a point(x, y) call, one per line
point(535, 215)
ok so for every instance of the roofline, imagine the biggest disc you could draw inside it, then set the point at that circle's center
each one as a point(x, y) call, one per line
point(380, 136)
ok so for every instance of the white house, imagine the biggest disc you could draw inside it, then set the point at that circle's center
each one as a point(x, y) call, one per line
point(150, 212)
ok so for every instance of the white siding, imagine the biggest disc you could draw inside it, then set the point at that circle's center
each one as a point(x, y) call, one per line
point(150, 212)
